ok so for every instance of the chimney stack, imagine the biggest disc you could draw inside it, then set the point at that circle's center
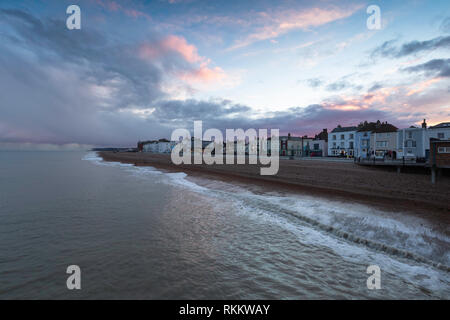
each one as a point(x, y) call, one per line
point(424, 124)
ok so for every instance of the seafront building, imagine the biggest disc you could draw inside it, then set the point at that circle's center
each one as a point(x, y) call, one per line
point(384, 142)
point(412, 142)
point(295, 146)
point(341, 141)
point(319, 148)
point(362, 139)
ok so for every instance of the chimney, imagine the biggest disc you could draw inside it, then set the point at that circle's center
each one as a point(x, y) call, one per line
point(424, 124)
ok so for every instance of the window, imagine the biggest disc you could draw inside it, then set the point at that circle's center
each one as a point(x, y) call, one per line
point(334, 137)
point(351, 136)
point(365, 143)
point(409, 135)
point(316, 146)
point(334, 144)
point(342, 137)
point(351, 145)
point(381, 144)
point(410, 143)
point(444, 150)
point(342, 144)
point(441, 135)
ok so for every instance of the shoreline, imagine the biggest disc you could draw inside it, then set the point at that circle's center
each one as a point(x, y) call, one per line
point(406, 193)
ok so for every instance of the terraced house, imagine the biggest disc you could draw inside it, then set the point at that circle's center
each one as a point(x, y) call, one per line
point(362, 139)
point(412, 142)
point(341, 141)
point(384, 141)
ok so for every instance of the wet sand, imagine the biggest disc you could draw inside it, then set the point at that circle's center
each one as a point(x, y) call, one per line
point(344, 181)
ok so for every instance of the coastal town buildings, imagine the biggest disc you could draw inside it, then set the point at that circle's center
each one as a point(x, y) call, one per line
point(156, 146)
point(369, 140)
point(341, 141)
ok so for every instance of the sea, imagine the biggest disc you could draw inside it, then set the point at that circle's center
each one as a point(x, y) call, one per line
point(141, 233)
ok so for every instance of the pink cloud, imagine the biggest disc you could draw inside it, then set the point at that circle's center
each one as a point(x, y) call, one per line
point(279, 23)
point(171, 43)
point(203, 74)
point(198, 70)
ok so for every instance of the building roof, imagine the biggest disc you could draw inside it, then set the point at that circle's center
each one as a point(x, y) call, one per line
point(377, 127)
point(385, 127)
point(322, 135)
point(148, 141)
point(367, 127)
point(441, 125)
point(344, 129)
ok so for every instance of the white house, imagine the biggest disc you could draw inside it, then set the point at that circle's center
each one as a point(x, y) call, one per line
point(341, 141)
point(412, 142)
point(440, 131)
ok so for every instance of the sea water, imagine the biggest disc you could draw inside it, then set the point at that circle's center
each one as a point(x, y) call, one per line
point(138, 232)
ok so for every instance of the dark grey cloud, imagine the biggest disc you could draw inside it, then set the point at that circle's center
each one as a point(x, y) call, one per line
point(389, 49)
point(435, 67)
point(136, 82)
point(194, 109)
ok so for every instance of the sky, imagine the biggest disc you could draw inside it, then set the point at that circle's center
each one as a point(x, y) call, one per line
point(137, 70)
